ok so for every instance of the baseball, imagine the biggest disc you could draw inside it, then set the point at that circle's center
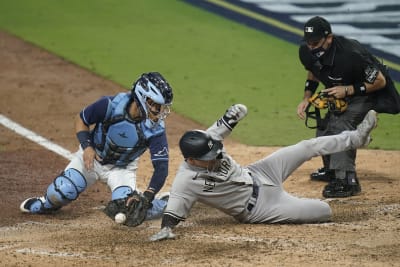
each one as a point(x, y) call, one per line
point(120, 218)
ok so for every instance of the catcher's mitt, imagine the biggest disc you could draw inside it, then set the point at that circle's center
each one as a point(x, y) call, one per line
point(134, 207)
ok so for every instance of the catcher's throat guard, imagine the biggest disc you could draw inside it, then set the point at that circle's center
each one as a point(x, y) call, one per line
point(323, 101)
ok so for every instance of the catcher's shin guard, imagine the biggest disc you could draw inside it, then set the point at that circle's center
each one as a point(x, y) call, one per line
point(65, 188)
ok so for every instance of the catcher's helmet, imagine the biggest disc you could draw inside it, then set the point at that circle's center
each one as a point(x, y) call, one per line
point(199, 145)
point(152, 86)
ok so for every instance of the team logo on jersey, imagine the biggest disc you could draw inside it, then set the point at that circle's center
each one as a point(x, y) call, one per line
point(123, 135)
point(161, 153)
point(209, 185)
point(224, 168)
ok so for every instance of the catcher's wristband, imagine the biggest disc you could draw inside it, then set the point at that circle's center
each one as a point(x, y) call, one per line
point(149, 195)
point(311, 85)
point(84, 139)
point(360, 89)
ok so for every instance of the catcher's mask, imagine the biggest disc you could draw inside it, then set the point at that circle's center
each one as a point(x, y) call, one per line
point(321, 101)
point(199, 145)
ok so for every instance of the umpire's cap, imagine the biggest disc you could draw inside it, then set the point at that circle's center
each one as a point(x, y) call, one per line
point(316, 28)
point(198, 144)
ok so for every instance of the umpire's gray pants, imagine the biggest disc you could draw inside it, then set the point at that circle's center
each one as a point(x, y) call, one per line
point(345, 160)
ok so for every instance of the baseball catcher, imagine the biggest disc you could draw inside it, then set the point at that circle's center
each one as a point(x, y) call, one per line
point(113, 133)
point(252, 193)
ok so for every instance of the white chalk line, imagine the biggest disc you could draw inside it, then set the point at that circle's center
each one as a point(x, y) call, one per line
point(27, 224)
point(6, 247)
point(19, 129)
point(40, 140)
point(58, 253)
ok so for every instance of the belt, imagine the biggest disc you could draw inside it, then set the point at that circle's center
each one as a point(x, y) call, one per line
point(254, 195)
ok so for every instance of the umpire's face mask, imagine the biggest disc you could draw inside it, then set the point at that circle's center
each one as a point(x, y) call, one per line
point(317, 49)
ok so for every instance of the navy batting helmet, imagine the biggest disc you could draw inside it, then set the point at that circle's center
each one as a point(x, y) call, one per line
point(199, 145)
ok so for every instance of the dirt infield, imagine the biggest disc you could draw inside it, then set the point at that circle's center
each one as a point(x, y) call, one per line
point(43, 93)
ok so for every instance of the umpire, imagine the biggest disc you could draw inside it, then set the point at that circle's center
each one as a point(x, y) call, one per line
point(350, 72)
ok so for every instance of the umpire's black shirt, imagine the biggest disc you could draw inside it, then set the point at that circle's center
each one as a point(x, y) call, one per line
point(346, 62)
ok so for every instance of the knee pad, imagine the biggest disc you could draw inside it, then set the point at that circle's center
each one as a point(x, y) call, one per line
point(65, 188)
point(121, 192)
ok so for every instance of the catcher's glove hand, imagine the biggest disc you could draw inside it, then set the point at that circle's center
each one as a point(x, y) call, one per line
point(134, 207)
point(137, 206)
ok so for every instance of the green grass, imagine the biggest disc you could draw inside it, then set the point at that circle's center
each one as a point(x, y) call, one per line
point(211, 62)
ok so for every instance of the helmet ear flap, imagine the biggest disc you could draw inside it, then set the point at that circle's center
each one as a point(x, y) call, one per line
point(137, 97)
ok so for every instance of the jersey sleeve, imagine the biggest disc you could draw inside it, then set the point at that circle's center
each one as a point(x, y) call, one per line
point(305, 57)
point(95, 112)
point(181, 199)
point(158, 146)
point(219, 130)
point(159, 154)
point(367, 66)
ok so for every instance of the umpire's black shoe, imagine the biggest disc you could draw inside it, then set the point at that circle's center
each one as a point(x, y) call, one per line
point(322, 174)
point(341, 188)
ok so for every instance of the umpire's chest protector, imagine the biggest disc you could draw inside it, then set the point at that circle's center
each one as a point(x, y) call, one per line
point(119, 140)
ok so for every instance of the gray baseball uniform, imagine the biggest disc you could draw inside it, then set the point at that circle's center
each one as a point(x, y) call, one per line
point(254, 193)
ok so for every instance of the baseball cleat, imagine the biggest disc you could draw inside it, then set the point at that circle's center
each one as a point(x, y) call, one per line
point(341, 188)
point(322, 174)
point(32, 205)
point(365, 127)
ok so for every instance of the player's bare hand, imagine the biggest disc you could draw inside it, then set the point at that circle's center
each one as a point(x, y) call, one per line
point(88, 157)
point(336, 91)
point(301, 108)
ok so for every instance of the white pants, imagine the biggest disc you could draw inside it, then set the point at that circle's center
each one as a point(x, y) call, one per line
point(110, 174)
point(115, 177)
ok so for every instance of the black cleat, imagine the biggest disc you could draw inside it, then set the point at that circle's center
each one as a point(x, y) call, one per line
point(341, 188)
point(322, 174)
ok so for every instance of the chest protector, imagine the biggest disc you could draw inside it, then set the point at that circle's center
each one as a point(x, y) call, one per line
point(118, 139)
